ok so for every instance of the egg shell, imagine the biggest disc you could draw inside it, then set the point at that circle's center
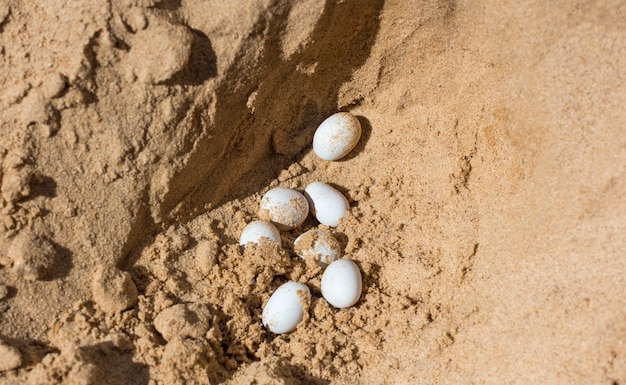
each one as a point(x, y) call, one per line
point(326, 203)
point(285, 308)
point(342, 283)
point(285, 207)
point(257, 230)
point(336, 136)
point(319, 245)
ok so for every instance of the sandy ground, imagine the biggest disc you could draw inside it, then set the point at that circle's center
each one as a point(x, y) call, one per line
point(487, 193)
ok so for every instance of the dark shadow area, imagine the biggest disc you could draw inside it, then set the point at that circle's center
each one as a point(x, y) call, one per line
point(143, 225)
point(5, 20)
point(115, 367)
point(299, 372)
point(43, 186)
point(141, 277)
point(248, 147)
point(168, 5)
point(343, 240)
point(11, 292)
point(221, 233)
point(32, 351)
point(63, 264)
point(371, 280)
point(279, 367)
point(202, 63)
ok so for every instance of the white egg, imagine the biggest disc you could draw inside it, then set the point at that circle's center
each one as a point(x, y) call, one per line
point(285, 308)
point(255, 231)
point(327, 204)
point(319, 245)
point(337, 136)
point(342, 283)
point(285, 207)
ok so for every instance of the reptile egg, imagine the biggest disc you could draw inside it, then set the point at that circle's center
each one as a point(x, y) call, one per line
point(285, 207)
point(337, 136)
point(327, 204)
point(342, 283)
point(319, 245)
point(257, 230)
point(284, 310)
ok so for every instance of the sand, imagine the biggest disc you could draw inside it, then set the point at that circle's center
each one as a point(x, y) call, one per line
point(487, 192)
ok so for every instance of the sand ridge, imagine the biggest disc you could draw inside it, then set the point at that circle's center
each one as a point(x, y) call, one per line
point(486, 193)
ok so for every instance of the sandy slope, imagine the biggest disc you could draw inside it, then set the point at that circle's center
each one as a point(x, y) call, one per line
point(487, 192)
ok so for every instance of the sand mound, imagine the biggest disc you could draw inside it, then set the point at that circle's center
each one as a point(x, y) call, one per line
point(137, 138)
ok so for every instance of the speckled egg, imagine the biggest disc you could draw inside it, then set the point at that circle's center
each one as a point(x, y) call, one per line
point(256, 231)
point(285, 308)
point(285, 207)
point(336, 136)
point(319, 245)
point(326, 203)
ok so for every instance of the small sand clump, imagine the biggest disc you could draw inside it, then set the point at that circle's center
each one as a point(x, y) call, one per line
point(16, 184)
point(113, 289)
point(33, 256)
point(159, 51)
point(485, 197)
point(10, 357)
point(4, 291)
point(184, 320)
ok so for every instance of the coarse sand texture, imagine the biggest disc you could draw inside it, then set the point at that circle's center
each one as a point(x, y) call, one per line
point(460, 218)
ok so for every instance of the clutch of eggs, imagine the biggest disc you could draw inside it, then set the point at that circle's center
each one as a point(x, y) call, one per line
point(286, 209)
